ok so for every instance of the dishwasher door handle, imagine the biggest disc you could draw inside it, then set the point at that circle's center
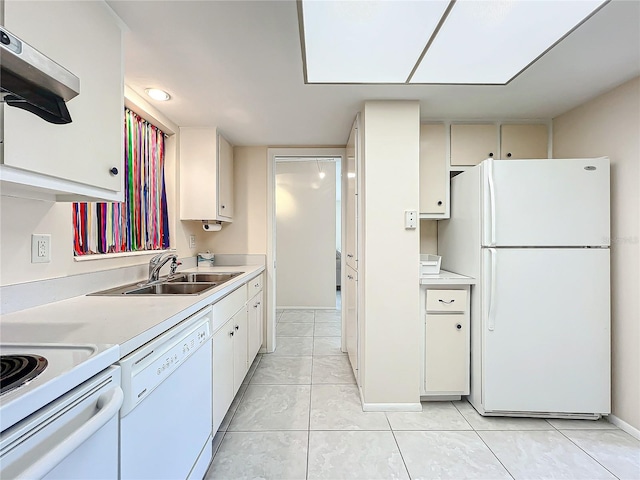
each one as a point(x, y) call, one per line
point(108, 405)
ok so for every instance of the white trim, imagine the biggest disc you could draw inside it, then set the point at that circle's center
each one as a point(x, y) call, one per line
point(272, 153)
point(624, 426)
point(391, 407)
point(305, 308)
point(38, 186)
point(106, 256)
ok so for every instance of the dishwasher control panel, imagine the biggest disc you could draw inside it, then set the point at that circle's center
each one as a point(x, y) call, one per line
point(149, 366)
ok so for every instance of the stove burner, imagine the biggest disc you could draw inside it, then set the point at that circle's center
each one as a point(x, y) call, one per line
point(16, 370)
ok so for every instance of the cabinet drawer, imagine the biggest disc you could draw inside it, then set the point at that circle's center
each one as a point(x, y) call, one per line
point(444, 301)
point(255, 285)
point(224, 309)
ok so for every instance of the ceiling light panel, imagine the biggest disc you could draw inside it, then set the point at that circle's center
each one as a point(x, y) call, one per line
point(366, 41)
point(490, 42)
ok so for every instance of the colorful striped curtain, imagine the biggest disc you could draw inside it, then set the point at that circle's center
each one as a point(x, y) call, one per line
point(141, 222)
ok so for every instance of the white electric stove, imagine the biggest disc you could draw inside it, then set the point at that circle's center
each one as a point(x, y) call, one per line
point(57, 369)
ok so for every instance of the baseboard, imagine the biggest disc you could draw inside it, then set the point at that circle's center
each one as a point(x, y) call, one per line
point(622, 425)
point(388, 407)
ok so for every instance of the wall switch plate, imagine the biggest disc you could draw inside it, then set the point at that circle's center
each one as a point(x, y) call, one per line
point(192, 241)
point(40, 248)
point(410, 219)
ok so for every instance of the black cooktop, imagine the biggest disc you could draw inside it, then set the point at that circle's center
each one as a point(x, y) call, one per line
point(16, 370)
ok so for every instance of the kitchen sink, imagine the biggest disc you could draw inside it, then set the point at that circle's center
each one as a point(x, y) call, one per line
point(204, 277)
point(172, 289)
point(180, 284)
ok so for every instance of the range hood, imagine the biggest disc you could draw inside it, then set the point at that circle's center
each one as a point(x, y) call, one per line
point(31, 81)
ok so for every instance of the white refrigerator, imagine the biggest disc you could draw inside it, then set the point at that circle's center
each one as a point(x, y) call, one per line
point(535, 233)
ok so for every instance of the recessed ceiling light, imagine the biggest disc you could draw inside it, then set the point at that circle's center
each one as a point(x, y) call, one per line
point(491, 42)
point(366, 41)
point(157, 94)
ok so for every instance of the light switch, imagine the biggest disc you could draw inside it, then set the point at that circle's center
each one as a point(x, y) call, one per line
point(410, 219)
point(192, 241)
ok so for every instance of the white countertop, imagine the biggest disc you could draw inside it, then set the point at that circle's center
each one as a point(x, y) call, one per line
point(128, 321)
point(446, 278)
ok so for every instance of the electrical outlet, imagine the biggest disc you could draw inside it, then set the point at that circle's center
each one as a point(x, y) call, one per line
point(410, 219)
point(40, 248)
point(192, 241)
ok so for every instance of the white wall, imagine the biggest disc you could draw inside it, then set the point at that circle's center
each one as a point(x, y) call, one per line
point(248, 231)
point(305, 234)
point(389, 269)
point(609, 125)
point(429, 236)
point(19, 218)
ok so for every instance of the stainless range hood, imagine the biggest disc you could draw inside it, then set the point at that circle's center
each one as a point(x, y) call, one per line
point(31, 81)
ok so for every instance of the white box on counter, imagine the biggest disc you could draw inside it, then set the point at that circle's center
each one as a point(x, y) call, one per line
point(430, 264)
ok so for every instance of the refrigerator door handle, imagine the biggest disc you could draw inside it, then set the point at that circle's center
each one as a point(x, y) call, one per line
point(492, 203)
point(491, 321)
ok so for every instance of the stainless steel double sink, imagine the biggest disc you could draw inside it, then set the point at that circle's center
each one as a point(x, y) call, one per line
point(178, 284)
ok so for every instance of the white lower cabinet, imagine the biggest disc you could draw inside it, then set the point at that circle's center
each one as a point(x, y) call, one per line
point(239, 331)
point(240, 338)
point(446, 341)
point(351, 304)
point(255, 309)
point(223, 378)
point(447, 353)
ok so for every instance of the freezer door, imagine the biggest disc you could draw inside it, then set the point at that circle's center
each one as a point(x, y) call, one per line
point(546, 330)
point(548, 203)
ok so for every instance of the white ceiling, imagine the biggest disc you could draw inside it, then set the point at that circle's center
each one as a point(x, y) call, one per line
point(238, 65)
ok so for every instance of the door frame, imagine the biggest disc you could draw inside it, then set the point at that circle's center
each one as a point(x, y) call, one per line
point(272, 154)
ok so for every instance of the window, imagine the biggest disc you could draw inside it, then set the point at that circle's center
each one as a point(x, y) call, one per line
point(141, 222)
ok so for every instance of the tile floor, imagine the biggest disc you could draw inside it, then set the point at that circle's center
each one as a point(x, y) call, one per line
point(298, 416)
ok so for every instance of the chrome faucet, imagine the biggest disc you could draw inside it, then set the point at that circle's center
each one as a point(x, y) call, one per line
point(158, 261)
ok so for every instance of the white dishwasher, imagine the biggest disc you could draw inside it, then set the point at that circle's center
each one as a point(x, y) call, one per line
point(166, 416)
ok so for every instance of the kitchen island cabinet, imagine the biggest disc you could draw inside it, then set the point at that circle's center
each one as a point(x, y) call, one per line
point(82, 160)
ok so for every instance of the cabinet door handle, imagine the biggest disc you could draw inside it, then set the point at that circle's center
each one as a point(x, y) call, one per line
point(258, 303)
point(237, 327)
point(349, 277)
point(447, 303)
point(509, 155)
point(231, 333)
point(256, 285)
point(491, 154)
point(458, 326)
point(439, 202)
point(223, 206)
point(349, 255)
point(114, 171)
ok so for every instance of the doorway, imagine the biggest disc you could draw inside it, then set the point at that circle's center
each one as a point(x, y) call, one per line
point(304, 243)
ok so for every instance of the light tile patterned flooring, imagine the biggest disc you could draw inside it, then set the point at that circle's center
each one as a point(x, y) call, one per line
point(298, 416)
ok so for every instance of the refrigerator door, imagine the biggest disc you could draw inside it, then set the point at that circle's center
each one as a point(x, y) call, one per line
point(546, 330)
point(546, 203)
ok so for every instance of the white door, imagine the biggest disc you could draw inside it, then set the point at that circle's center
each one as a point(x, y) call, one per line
point(555, 203)
point(546, 330)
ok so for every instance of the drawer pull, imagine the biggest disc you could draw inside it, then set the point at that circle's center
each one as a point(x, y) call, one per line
point(447, 303)
point(459, 327)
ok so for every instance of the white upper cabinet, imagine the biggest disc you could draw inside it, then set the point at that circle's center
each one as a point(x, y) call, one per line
point(434, 179)
point(206, 175)
point(83, 159)
point(524, 141)
point(473, 143)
